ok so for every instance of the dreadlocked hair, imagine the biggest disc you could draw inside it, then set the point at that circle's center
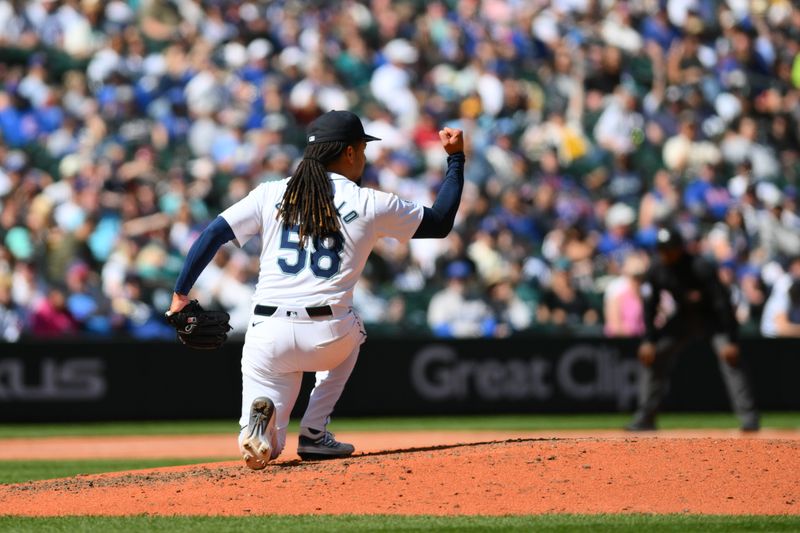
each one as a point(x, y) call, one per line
point(308, 199)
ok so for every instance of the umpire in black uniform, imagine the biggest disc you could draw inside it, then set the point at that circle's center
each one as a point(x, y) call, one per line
point(702, 309)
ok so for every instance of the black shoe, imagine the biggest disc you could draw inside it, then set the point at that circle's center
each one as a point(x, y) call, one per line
point(641, 425)
point(750, 426)
point(322, 446)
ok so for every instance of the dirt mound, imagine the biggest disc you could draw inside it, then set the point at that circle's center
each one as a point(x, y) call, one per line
point(522, 476)
point(224, 446)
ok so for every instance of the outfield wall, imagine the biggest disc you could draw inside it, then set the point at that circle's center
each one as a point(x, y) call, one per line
point(137, 380)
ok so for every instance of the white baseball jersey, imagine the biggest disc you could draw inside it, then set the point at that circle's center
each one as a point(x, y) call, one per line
point(325, 271)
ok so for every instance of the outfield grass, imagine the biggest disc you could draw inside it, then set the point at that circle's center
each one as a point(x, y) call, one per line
point(633, 523)
point(22, 471)
point(783, 420)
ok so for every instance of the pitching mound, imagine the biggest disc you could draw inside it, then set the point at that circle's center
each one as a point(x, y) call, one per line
point(520, 476)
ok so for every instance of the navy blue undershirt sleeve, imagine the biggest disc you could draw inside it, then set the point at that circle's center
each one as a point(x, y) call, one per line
point(202, 252)
point(437, 220)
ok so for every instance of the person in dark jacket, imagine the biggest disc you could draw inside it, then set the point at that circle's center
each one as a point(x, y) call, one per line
point(684, 300)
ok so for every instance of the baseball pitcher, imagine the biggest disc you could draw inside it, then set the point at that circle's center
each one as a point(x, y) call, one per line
point(317, 229)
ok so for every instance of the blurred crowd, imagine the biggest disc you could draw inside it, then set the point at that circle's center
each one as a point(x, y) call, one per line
point(128, 125)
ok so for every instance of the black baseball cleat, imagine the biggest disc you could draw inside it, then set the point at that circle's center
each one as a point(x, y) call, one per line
point(641, 425)
point(321, 446)
point(257, 443)
point(750, 426)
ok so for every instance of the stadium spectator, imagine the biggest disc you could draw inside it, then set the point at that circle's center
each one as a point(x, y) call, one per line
point(51, 318)
point(618, 239)
point(623, 312)
point(787, 319)
point(10, 315)
point(510, 312)
point(684, 153)
point(562, 304)
point(775, 320)
point(777, 238)
point(456, 311)
point(660, 204)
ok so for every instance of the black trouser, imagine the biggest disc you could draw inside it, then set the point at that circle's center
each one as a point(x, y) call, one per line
point(654, 380)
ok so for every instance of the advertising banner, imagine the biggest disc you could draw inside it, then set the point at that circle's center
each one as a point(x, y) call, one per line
point(125, 381)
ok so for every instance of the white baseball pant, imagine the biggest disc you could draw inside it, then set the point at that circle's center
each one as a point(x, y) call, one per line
point(279, 348)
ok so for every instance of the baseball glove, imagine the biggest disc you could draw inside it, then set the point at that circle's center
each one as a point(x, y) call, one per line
point(198, 328)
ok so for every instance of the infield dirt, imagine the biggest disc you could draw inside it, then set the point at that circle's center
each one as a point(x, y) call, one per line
point(720, 473)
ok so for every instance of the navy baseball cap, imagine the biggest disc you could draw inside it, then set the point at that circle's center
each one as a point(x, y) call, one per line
point(337, 126)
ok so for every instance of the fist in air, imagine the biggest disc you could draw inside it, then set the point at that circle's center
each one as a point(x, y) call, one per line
point(452, 140)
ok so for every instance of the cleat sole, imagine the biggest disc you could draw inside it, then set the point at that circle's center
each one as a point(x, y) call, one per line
point(258, 452)
point(322, 456)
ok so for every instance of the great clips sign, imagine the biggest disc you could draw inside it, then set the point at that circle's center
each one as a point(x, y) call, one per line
point(551, 375)
point(599, 374)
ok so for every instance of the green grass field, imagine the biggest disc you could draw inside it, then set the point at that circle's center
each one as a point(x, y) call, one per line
point(782, 420)
point(20, 471)
point(632, 523)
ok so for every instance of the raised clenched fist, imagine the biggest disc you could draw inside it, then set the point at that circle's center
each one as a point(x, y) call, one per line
point(452, 140)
